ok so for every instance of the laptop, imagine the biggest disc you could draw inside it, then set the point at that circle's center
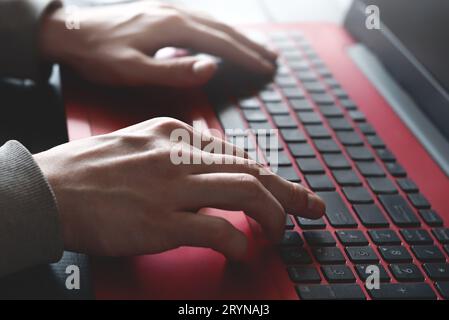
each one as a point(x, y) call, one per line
point(360, 114)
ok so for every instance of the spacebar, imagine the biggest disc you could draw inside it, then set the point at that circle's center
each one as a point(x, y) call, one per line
point(336, 211)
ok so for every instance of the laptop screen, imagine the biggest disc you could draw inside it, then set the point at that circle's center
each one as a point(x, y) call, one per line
point(423, 28)
point(413, 45)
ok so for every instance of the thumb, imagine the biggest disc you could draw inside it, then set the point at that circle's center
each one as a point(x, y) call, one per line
point(176, 72)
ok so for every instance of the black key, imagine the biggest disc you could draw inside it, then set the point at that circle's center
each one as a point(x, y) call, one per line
point(276, 158)
point(324, 72)
point(301, 150)
point(382, 186)
point(385, 155)
point(431, 218)
point(336, 211)
point(362, 254)
point(363, 274)
point(357, 116)
point(330, 111)
point(315, 87)
point(317, 131)
point(295, 255)
point(338, 273)
point(357, 195)
point(319, 238)
point(375, 142)
point(395, 254)
point(289, 222)
point(437, 271)
point(336, 161)
point(384, 237)
point(328, 255)
point(256, 126)
point(418, 201)
point(360, 153)
point(230, 118)
point(370, 215)
point(399, 210)
point(366, 128)
point(370, 169)
point(249, 103)
point(310, 165)
point(301, 105)
point(443, 288)
point(291, 238)
point(322, 98)
point(406, 272)
point(309, 117)
point(395, 169)
point(352, 237)
point(401, 291)
point(293, 93)
point(270, 96)
point(340, 124)
point(330, 292)
point(327, 146)
point(254, 116)
point(416, 236)
point(269, 142)
point(346, 178)
point(339, 92)
point(306, 224)
point(319, 182)
point(442, 235)
point(349, 138)
point(304, 274)
point(286, 81)
point(407, 185)
point(446, 247)
point(331, 82)
point(293, 135)
point(348, 104)
point(288, 173)
point(284, 121)
point(277, 108)
point(428, 253)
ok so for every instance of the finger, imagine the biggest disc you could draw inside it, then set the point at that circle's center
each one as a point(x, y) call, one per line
point(211, 232)
point(140, 69)
point(237, 192)
point(294, 198)
point(206, 39)
point(241, 38)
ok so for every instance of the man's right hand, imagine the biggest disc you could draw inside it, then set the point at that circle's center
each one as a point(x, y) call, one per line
point(120, 194)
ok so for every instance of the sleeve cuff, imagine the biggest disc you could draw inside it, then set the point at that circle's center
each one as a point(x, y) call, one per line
point(19, 29)
point(29, 222)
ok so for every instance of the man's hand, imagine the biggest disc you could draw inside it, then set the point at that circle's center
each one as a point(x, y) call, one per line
point(120, 194)
point(115, 45)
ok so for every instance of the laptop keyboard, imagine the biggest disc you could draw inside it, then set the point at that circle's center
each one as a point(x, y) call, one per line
point(375, 214)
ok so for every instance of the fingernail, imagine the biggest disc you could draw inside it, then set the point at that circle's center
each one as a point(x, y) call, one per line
point(315, 205)
point(204, 67)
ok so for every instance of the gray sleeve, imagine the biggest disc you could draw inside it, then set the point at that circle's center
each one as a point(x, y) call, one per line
point(19, 28)
point(29, 222)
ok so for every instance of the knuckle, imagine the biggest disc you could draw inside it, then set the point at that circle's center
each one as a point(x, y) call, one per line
point(221, 230)
point(174, 18)
point(250, 186)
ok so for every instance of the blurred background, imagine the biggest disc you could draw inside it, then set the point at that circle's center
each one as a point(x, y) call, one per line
point(258, 11)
